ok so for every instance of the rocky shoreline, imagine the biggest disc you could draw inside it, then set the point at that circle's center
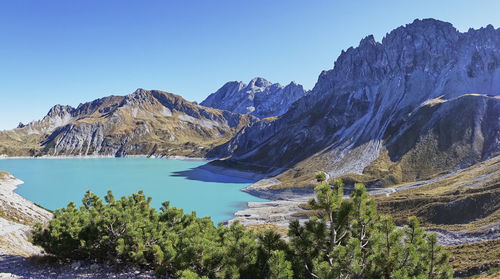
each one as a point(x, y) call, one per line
point(17, 216)
point(282, 206)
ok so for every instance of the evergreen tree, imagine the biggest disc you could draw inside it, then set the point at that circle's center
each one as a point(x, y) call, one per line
point(348, 239)
point(267, 242)
point(279, 267)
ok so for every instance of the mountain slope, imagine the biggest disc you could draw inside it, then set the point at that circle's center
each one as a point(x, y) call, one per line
point(438, 137)
point(260, 97)
point(142, 123)
point(356, 108)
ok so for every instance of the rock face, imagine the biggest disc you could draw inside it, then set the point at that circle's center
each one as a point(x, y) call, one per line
point(146, 122)
point(260, 97)
point(358, 110)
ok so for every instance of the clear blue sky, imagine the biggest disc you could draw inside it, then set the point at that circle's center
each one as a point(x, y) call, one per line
point(68, 52)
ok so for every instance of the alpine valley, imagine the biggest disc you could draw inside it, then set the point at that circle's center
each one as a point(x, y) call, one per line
point(415, 117)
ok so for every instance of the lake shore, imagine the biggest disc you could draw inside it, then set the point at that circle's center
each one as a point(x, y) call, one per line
point(173, 157)
point(18, 216)
point(281, 205)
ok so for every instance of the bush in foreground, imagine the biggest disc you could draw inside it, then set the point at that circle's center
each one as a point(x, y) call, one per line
point(346, 240)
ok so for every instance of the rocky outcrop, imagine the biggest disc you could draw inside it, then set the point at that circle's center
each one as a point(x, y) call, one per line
point(260, 97)
point(357, 107)
point(57, 116)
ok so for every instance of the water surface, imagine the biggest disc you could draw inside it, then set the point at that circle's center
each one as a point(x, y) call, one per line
point(53, 183)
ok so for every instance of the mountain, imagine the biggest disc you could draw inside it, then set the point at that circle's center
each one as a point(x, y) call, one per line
point(260, 97)
point(421, 102)
point(146, 122)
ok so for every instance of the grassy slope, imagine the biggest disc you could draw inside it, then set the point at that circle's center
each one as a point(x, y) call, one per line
point(476, 257)
point(467, 200)
point(14, 143)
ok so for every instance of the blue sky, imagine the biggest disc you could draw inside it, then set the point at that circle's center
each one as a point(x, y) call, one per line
point(68, 52)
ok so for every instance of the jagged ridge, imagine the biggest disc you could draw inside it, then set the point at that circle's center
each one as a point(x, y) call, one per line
point(342, 125)
point(260, 97)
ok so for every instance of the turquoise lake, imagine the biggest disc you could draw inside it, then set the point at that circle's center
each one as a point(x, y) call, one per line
point(53, 183)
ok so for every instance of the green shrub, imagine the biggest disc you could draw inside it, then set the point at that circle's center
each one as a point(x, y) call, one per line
point(346, 240)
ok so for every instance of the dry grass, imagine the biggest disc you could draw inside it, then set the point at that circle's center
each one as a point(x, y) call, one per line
point(468, 200)
point(270, 118)
point(475, 257)
point(14, 143)
point(4, 174)
point(296, 178)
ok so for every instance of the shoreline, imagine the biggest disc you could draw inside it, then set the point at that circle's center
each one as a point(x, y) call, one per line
point(172, 157)
point(18, 216)
point(278, 207)
point(253, 176)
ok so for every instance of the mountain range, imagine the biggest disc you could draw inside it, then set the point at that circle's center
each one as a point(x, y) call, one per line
point(422, 102)
point(146, 122)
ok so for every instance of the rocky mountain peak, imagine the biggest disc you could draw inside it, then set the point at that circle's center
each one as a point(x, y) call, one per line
point(367, 41)
point(294, 86)
point(139, 91)
point(260, 97)
point(231, 87)
point(259, 82)
point(426, 45)
point(60, 110)
point(430, 25)
point(138, 97)
point(57, 116)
